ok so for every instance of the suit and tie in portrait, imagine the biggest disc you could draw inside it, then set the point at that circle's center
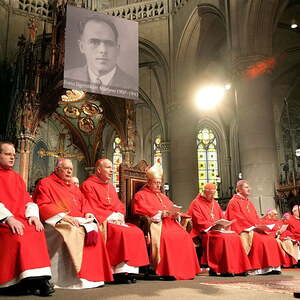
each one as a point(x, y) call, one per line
point(99, 44)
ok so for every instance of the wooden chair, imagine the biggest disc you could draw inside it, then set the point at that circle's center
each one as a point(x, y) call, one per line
point(132, 179)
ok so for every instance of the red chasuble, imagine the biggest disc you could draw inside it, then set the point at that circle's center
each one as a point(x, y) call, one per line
point(19, 253)
point(54, 196)
point(294, 227)
point(265, 251)
point(124, 244)
point(289, 261)
point(222, 251)
point(177, 251)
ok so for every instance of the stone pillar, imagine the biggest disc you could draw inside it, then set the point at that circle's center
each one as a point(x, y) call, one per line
point(257, 138)
point(183, 156)
point(251, 43)
point(24, 147)
point(129, 145)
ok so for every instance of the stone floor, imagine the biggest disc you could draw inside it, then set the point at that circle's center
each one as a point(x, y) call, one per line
point(271, 287)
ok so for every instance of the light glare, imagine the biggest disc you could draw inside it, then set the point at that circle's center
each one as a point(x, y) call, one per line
point(208, 97)
point(294, 25)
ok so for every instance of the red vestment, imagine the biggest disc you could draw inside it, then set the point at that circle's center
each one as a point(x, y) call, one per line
point(289, 261)
point(294, 227)
point(54, 196)
point(265, 251)
point(124, 244)
point(222, 251)
point(19, 253)
point(177, 251)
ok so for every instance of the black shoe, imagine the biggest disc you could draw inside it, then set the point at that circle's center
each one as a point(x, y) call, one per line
point(46, 288)
point(168, 278)
point(211, 272)
point(132, 278)
point(227, 275)
point(122, 278)
point(39, 286)
point(275, 272)
point(297, 295)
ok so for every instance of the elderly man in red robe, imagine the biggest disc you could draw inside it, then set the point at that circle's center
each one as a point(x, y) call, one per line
point(223, 251)
point(279, 230)
point(293, 223)
point(263, 250)
point(126, 243)
point(24, 257)
point(173, 254)
point(78, 253)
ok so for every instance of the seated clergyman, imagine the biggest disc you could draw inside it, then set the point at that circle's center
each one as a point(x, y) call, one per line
point(223, 251)
point(24, 259)
point(77, 250)
point(173, 253)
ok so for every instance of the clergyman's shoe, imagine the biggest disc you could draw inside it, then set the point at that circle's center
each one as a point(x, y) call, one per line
point(122, 278)
point(168, 278)
point(46, 288)
point(211, 272)
point(132, 278)
point(297, 294)
point(275, 272)
point(227, 275)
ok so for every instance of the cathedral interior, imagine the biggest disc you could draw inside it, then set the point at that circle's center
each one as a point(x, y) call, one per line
point(251, 47)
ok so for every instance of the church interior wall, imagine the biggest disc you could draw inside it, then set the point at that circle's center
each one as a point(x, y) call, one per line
point(178, 53)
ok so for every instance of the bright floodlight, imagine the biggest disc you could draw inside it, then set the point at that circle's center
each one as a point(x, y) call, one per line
point(294, 25)
point(209, 97)
point(227, 86)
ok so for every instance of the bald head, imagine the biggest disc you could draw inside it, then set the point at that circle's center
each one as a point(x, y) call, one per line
point(104, 169)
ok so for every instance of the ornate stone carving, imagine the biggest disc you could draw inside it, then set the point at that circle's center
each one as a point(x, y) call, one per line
point(165, 146)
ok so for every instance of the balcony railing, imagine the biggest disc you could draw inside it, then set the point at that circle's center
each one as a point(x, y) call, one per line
point(140, 11)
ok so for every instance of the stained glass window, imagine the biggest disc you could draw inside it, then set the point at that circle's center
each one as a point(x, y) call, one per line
point(207, 158)
point(157, 156)
point(117, 160)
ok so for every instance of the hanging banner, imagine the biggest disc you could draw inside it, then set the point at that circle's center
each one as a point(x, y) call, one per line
point(101, 53)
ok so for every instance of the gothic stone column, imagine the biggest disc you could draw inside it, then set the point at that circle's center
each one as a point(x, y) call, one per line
point(183, 155)
point(24, 147)
point(256, 133)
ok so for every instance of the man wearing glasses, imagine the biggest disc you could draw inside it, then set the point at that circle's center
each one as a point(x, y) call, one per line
point(78, 254)
point(99, 44)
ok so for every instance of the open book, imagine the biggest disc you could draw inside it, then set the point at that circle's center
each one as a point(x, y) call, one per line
point(224, 222)
point(261, 228)
point(174, 210)
point(283, 228)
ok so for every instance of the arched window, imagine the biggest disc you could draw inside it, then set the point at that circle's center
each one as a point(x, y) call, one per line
point(157, 156)
point(117, 160)
point(207, 158)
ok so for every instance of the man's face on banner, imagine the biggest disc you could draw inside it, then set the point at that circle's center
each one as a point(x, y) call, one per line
point(99, 45)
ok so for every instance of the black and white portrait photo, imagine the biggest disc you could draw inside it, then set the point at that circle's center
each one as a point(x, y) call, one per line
point(101, 54)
